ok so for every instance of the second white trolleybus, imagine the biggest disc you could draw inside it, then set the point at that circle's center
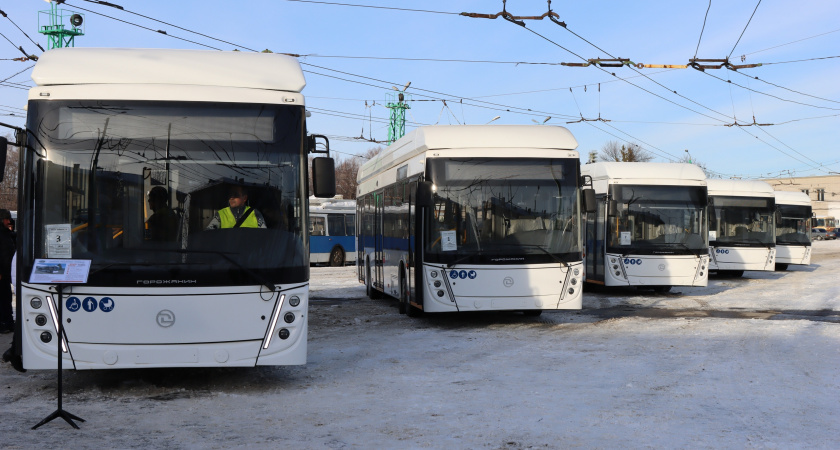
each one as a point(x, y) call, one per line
point(138, 161)
point(742, 226)
point(793, 229)
point(650, 226)
point(473, 218)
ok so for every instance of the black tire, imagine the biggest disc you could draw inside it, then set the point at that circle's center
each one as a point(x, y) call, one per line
point(662, 289)
point(337, 257)
point(532, 312)
point(735, 273)
point(781, 267)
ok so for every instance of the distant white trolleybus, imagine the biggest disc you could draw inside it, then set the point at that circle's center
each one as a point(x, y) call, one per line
point(742, 226)
point(473, 218)
point(650, 226)
point(793, 229)
point(143, 158)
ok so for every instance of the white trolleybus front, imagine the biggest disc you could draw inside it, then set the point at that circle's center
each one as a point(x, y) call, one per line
point(650, 226)
point(182, 176)
point(742, 226)
point(793, 229)
point(473, 218)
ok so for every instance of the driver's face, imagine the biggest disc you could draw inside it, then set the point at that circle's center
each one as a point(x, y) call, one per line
point(237, 198)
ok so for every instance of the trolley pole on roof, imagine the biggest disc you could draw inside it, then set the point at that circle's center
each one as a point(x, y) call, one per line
point(60, 26)
point(396, 103)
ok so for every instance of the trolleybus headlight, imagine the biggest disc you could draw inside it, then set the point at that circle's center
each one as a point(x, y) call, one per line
point(571, 290)
point(612, 260)
point(437, 283)
point(434, 274)
point(283, 334)
point(574, 280)
point(615, 266)
point(294, 301)
point(289, 317)
point(617, 273)
point(41, 320)
point(440, 293)
point(36, 303)
point(701, 274)
point(46, 337)
point(577, 271)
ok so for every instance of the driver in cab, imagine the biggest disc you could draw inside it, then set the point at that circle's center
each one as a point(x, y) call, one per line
point(238, 214)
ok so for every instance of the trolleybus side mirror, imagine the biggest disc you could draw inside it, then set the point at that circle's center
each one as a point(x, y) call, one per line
point(778, 217)
point(4, 146)
point(424, 194)
point(612, 208)
point(323, 177)
point(589, 203)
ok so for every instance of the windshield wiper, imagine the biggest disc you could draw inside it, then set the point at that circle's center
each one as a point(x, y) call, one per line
point(259, 278)
point(538, 247)
point(463, 258)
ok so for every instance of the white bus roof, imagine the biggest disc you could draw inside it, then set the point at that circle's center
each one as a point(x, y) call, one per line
point(643, 171)
point(792, 198)
point(740, 188)
point(438, 137)
point(71, 66)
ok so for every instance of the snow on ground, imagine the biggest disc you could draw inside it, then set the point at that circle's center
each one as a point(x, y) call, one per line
point(632, 369)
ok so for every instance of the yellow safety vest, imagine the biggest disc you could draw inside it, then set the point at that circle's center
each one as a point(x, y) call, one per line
point(228, 220)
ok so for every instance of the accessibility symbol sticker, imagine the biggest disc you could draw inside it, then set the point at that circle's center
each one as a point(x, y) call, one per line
point(472, 274)
point(453, 274)
point(106, 304)
point(463, 274)
point(73, 304)
point(89, 304)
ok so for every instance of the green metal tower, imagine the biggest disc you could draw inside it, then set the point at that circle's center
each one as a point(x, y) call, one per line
point(396, 102)
point(60, 26)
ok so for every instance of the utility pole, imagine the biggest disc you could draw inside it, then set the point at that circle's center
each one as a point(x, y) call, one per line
point(60, 26)
point(396, 103)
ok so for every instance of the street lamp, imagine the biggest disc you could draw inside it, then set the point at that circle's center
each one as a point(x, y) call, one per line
point(689, 156)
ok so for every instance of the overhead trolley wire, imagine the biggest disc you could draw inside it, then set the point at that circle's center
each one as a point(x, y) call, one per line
point(792, 42)
point(24, 33)
point(702, 29)
point(374, 7)
point(745, 29)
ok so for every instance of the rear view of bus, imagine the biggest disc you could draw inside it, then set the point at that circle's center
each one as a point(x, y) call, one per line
point(793, 229)
point(473, 218)
point(742, 226)
point(650, 227)
point(182, 176)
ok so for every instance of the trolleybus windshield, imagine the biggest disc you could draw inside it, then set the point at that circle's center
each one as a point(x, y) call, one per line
point(792, 227)
point(657, 219)
point(741, 221)
point(503, 211)
point(138, 184)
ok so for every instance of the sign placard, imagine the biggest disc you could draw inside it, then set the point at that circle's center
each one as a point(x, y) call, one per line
point(66, 271)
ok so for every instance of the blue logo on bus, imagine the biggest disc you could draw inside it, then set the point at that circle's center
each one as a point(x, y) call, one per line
point(472, 274)
point(463, 274)
point(89, 304)
point(633, 262)
point(453, 274)
point(106, 304)
point(73, 304)
point(724, 251)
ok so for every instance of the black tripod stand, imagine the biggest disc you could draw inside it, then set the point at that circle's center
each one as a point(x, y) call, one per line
point(69, 418)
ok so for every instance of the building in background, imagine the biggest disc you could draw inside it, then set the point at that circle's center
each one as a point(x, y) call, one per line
point(823, 190)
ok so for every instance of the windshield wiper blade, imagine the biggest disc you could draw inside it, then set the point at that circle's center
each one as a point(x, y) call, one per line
point(259, 278)
point(461, 259)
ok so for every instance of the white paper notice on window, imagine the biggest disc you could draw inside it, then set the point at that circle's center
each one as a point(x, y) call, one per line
point(447, 241)
point(58, 240)
point(712, 235)
point(625, 238)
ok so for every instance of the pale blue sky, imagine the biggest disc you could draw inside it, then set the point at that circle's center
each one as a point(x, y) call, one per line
point(804, 141)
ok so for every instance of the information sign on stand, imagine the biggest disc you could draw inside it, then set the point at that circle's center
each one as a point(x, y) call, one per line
point(60, 273)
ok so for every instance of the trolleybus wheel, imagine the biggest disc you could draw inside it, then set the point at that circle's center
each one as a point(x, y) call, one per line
point(532, 312)
point(781, 267)
point(371, 292)
point(662, 289)
point(405, 298)
point(336, 257)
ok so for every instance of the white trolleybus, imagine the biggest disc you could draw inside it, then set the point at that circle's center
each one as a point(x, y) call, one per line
point(332, 231)
point(473, 218)
point(650, 226)
point(742, 226)
point(793, 229)
point(145, 159)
